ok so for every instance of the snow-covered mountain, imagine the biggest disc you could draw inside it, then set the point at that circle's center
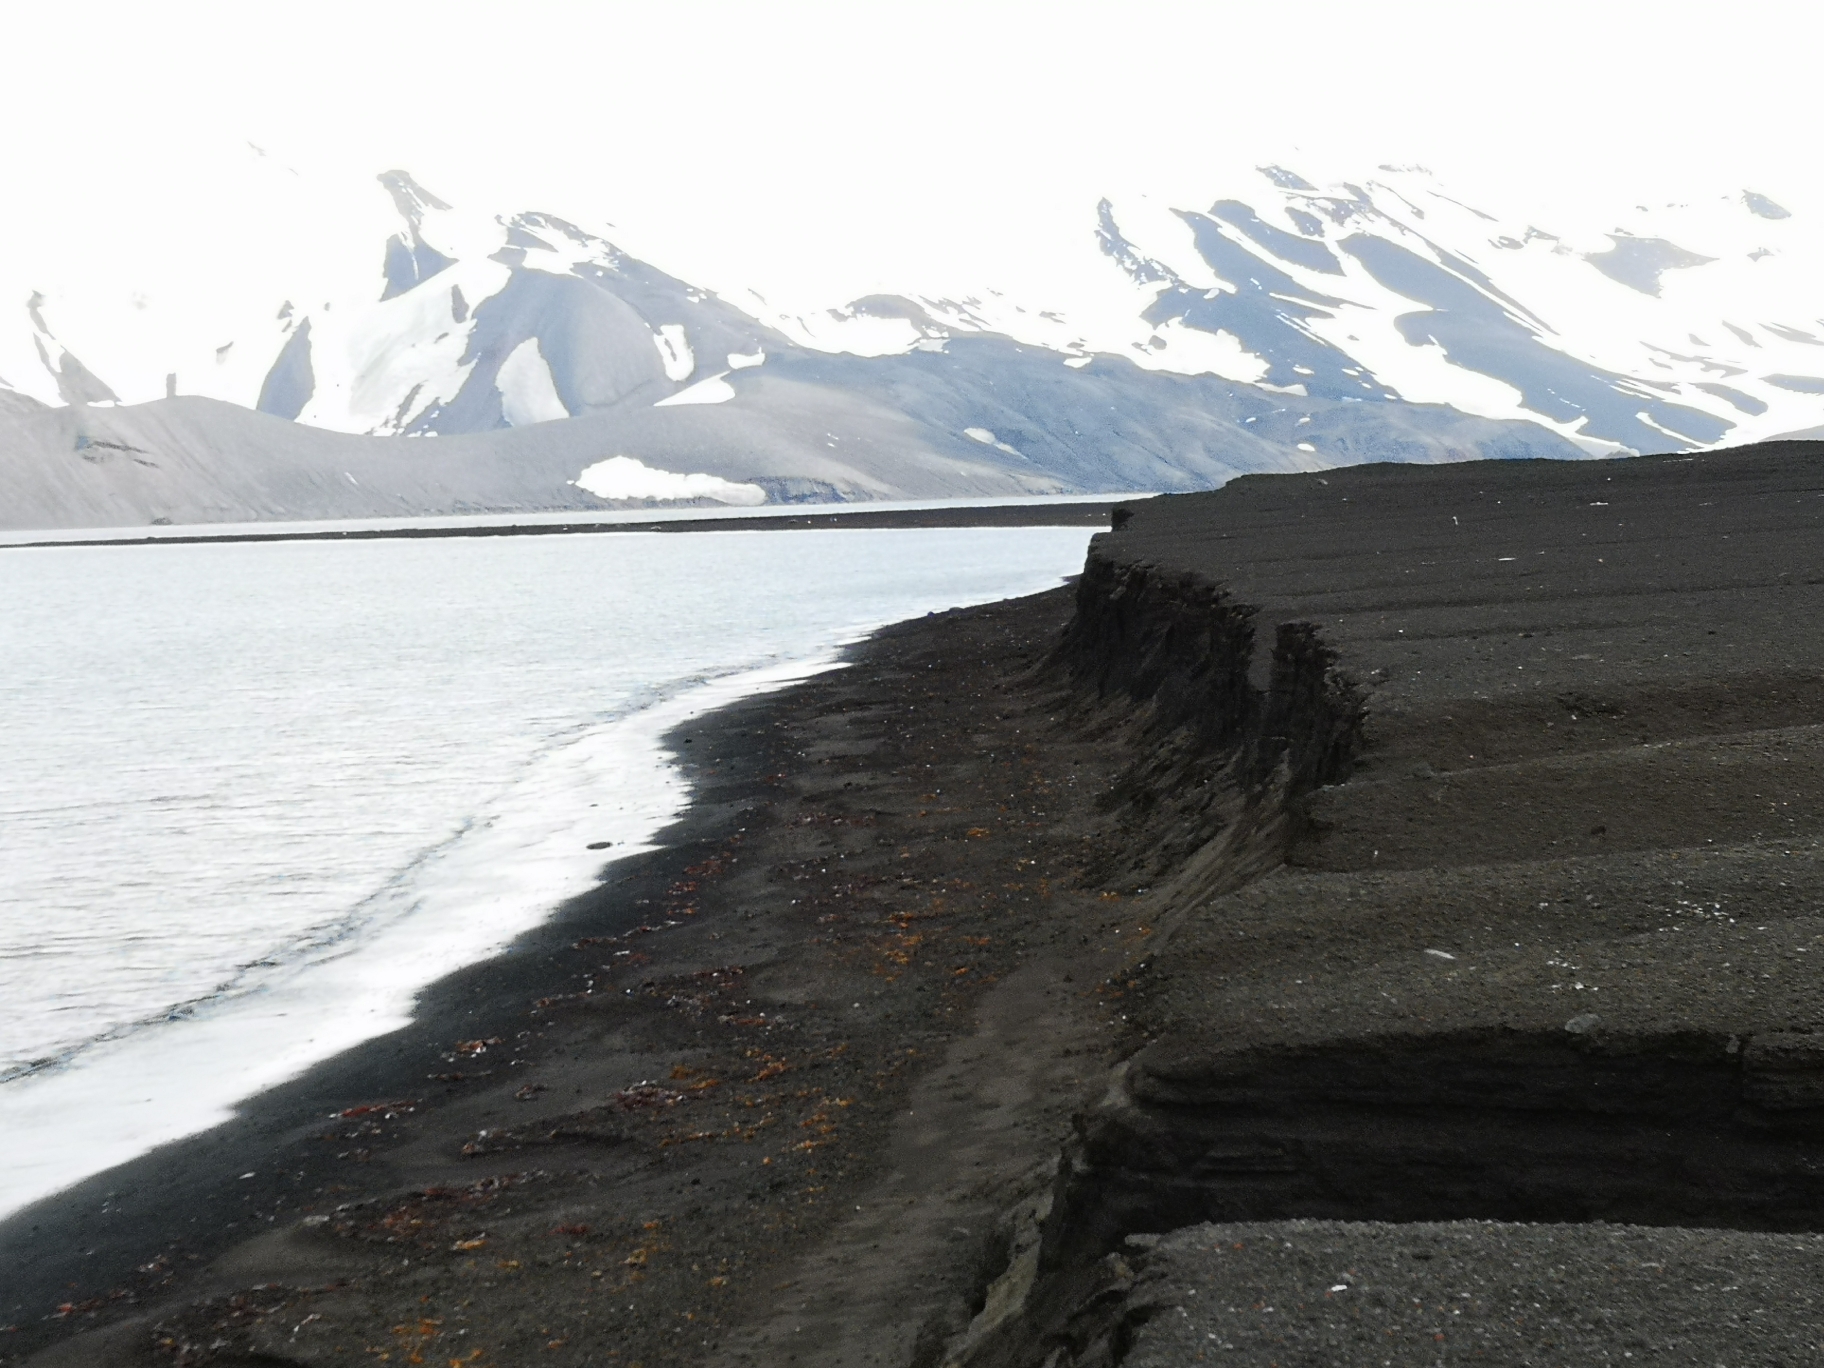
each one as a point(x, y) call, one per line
point(1681, 325)
point(1284, 325)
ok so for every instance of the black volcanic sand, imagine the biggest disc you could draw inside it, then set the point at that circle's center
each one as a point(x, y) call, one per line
point(1439, 970)
point(1333, 1292)
point(850, 1005)
point(1542, 951)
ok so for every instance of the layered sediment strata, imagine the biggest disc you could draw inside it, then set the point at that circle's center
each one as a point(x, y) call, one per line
point(1540, 947)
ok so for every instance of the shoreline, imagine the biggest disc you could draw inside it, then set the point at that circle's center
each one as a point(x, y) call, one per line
point(181, 1226)
point(185, 1202)
point(635, 740)
point(1321, 897)
point(1075, 511)
point(524, 841)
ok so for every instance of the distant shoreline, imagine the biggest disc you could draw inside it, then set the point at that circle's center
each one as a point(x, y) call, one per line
point(1059, 513)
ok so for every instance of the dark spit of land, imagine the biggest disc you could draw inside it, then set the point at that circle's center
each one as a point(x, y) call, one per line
point(822, 517)
point(1368, 920)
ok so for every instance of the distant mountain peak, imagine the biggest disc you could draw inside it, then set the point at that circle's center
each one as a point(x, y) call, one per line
point(1763, 207)
point(409, 197)
point(1284, 179)
point(1382, 288)
point(1639, 262)
point(410, 260)
point(76, 383)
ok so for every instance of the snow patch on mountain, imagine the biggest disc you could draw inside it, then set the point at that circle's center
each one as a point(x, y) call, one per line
point(715, 390)
point(380, 368)
point(1197, 351)
point(623, 478)
point(987, 438)
point(76, 383)
point(850, 332)
point(527, 392)
point(674, 351)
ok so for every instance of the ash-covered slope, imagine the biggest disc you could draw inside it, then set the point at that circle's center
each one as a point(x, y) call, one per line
point(875, 434)
point(198, 460)
point(191, 460)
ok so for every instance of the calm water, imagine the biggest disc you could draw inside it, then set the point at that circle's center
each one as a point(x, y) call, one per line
point(255, 796)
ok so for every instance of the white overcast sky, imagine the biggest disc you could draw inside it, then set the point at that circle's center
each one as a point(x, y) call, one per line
point(835, 149)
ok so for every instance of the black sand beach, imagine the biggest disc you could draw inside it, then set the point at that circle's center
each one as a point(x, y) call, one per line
point(1400, 883)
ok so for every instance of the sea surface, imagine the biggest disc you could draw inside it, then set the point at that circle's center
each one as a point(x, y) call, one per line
point(254, 796)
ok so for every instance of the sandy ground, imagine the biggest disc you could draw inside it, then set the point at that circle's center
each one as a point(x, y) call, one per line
point(838, 1024)
point(1397, 879)
point(1542, 952)
point(1332, 1292)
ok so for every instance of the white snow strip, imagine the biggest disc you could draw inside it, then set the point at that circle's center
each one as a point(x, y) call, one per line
point(987, 438)
point(738, 361)
point(675, 352)
point(623, 477)
point(715, 390)
point(527, 392)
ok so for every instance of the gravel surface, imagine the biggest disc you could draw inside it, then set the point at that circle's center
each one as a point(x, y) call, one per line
point(1332, 1294)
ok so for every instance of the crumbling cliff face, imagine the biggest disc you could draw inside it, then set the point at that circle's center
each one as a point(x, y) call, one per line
point(1183, 648)
point(1227, 737)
